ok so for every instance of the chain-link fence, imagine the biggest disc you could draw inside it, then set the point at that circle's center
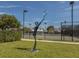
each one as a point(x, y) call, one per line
point(69, 33)
point(27, 18)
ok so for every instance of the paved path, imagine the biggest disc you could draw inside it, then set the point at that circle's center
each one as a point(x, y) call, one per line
point(51, 41)
point(52, 37)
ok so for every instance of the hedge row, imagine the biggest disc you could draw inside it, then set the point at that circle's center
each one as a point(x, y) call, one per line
point(9, 36)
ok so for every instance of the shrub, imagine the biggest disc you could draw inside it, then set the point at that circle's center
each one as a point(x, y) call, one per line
point(9, 36)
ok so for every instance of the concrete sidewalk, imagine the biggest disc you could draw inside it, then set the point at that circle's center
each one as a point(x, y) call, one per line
point(51, 41)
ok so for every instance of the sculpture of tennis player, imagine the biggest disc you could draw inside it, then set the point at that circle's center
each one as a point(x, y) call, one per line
point(35, 30)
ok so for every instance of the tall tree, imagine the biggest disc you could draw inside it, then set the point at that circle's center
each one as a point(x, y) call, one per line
point(9, 21)
point(50, 29)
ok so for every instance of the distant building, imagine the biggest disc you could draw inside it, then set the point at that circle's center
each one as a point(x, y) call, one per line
point(39, 30)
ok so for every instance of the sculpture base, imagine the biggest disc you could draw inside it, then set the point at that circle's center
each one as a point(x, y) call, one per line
point(35, 50)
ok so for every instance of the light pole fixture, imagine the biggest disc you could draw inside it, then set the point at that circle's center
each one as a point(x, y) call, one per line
point(71, 3)
point(24, 11)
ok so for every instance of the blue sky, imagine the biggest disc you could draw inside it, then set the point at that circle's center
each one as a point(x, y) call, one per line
point(57, 11)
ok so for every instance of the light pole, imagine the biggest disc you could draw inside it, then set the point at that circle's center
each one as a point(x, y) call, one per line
point(24, 11)
point(29, 30)
point(64, 30)
point(45, 31)
point(61, 31)
point(71, 3)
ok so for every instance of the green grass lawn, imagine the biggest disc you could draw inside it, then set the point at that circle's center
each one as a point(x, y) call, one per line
point(46, 50)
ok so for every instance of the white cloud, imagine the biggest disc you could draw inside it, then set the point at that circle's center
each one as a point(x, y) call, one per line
point(74, 7)
point(61, 2)
point(2, 13)
point(12, 6)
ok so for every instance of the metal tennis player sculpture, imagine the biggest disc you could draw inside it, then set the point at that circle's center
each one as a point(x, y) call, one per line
point(35, 31)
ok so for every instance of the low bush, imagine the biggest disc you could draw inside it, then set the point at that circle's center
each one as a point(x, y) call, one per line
point(9, 36)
